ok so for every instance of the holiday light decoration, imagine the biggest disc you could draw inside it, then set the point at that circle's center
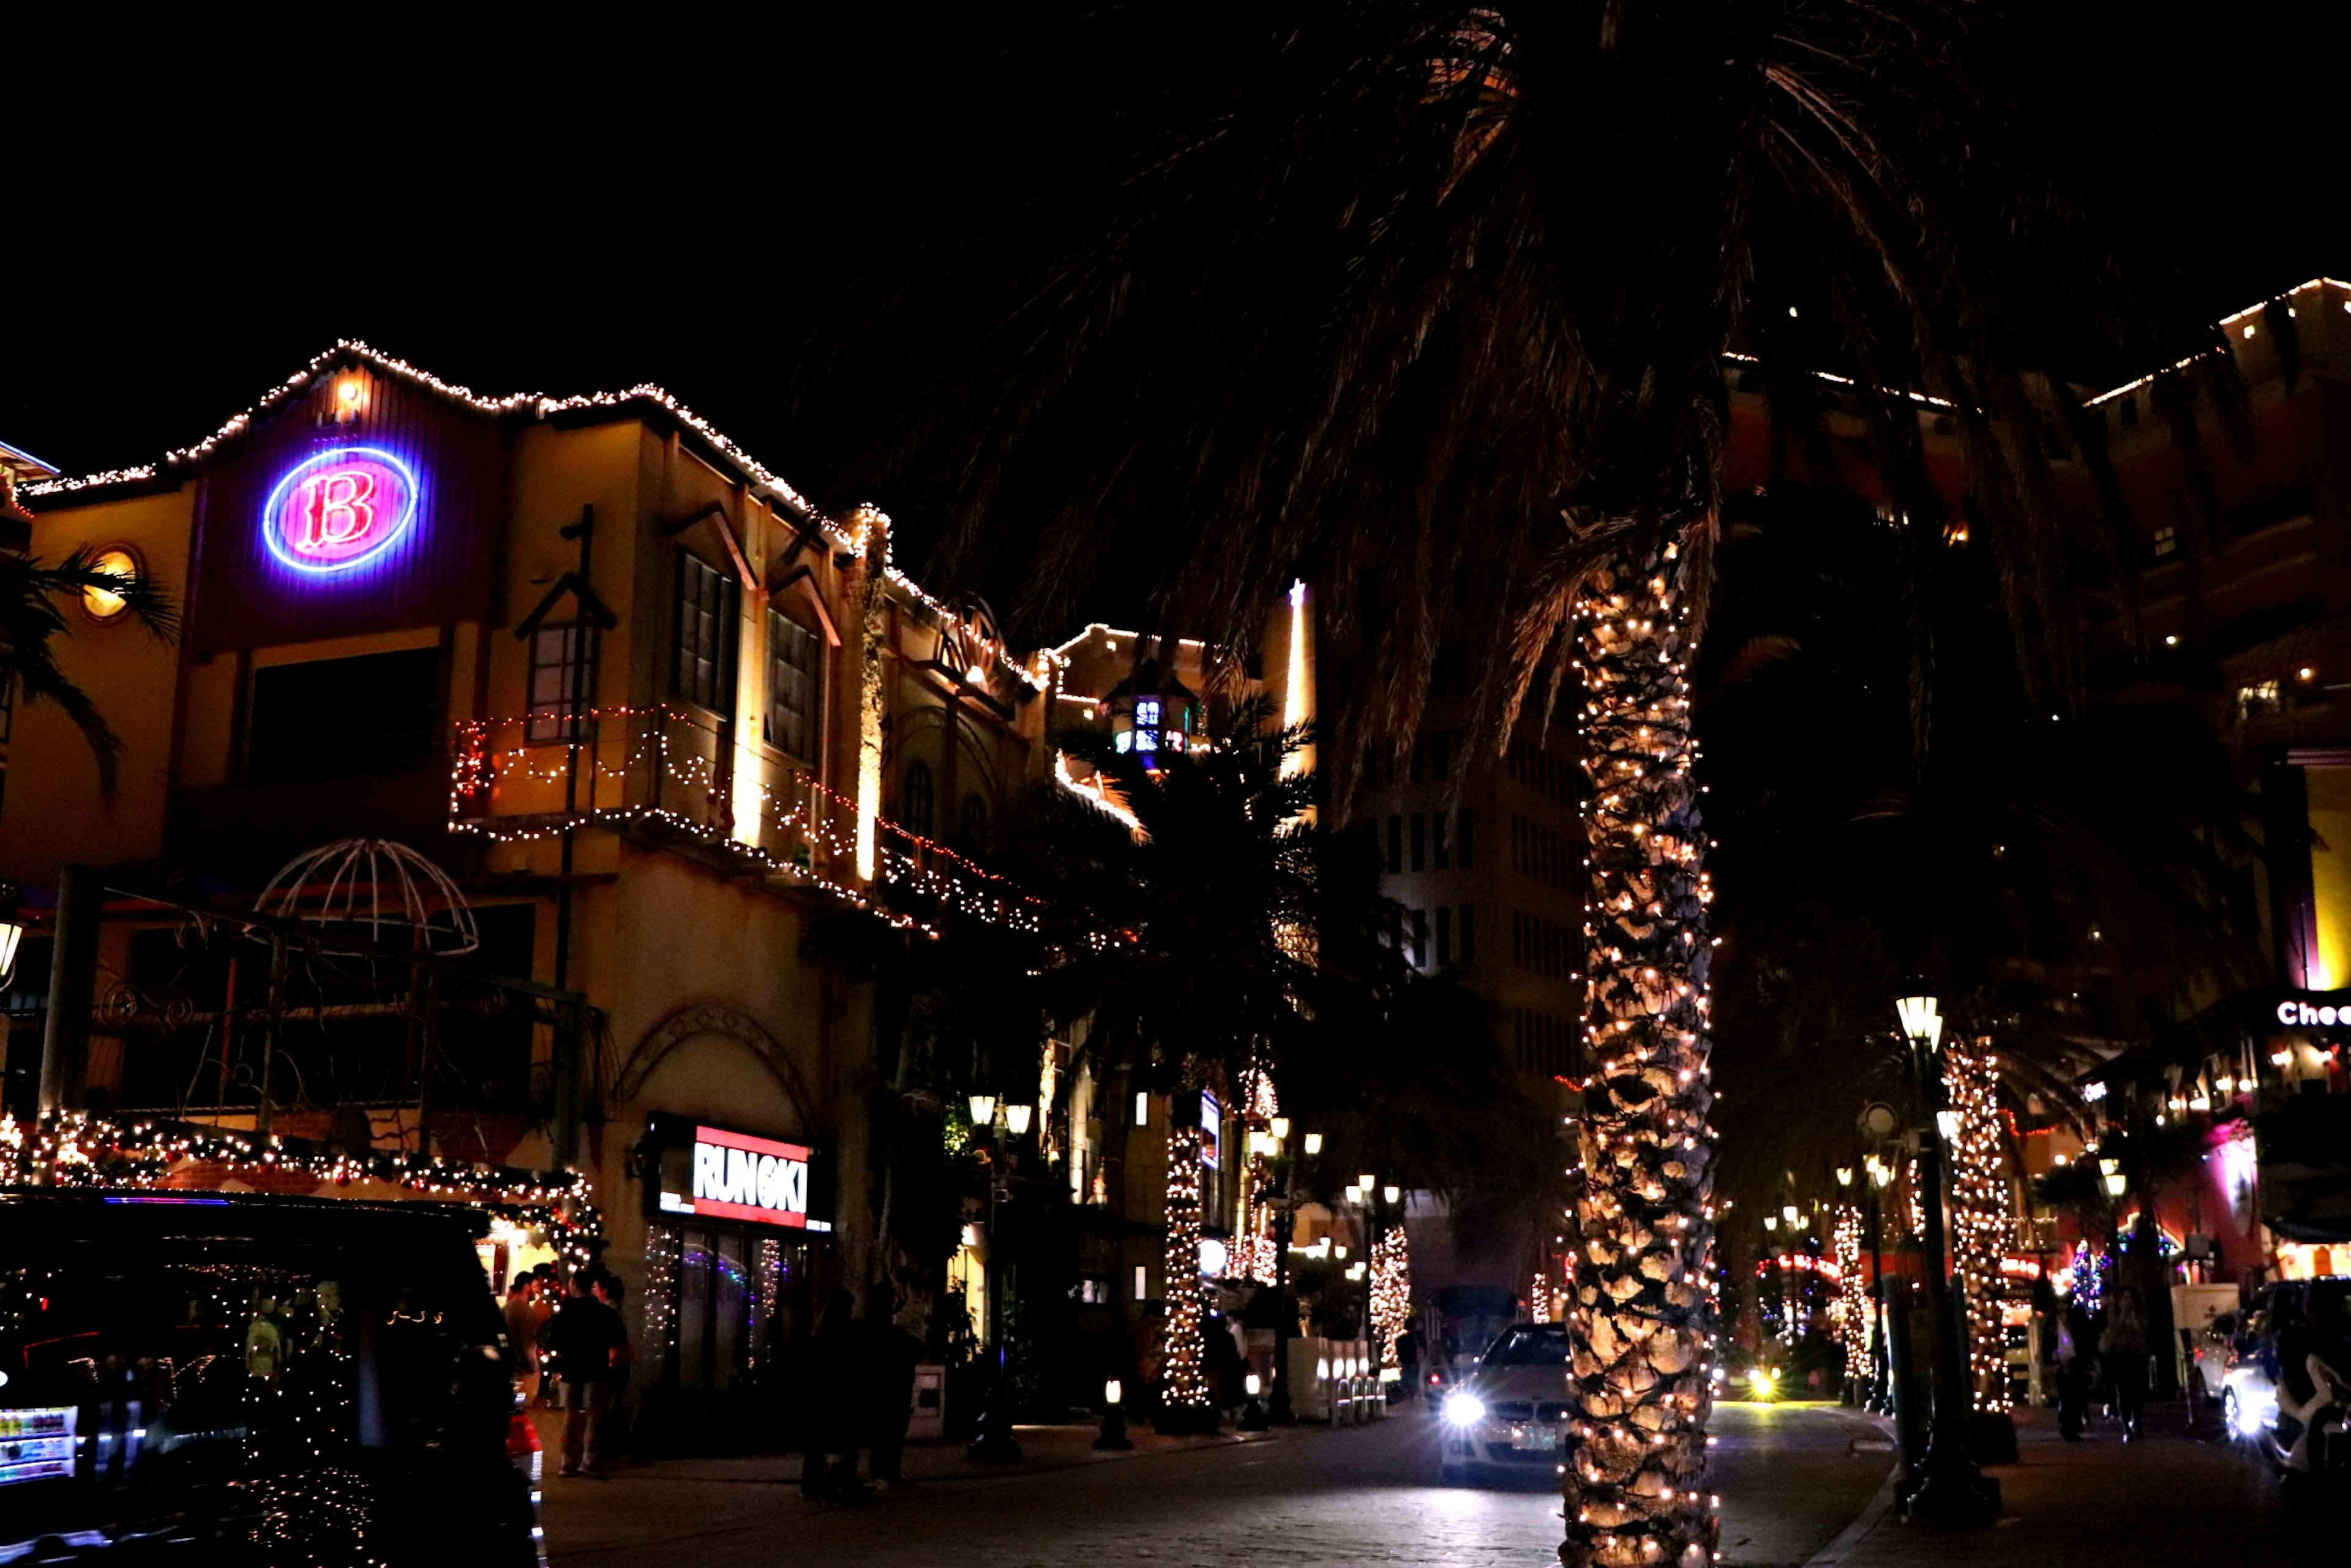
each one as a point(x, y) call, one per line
point(1980, 1208)
point(1391, 1295)
point(662, 1247)
point(1641, 1324)
point(75, 1148)
point(1184, 1373)
point(1539, 1297)
point(1853, 1293)
point(1254, 1249)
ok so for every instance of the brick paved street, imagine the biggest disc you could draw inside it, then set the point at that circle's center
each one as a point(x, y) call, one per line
point(1790, 1481)
point(1801, 1488)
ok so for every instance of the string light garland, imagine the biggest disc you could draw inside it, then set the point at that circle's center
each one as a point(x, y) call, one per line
point(1853, 1293)
point(1391, 1295)
point(1642, 1320)
point(1184, 1389)
point(77, 1149)
point(662, 1245)
point(1980, 1208)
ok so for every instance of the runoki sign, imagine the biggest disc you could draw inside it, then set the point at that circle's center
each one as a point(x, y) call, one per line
point(738, 1177)
point(339, 510)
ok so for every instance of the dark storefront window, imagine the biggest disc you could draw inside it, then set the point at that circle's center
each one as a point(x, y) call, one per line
point(731, 1285)
point(377, 712)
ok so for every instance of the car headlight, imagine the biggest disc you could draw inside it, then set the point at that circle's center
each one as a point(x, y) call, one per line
point(1464, 1410)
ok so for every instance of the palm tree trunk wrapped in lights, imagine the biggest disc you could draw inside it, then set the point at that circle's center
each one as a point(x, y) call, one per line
point(1980, 1208)
point(1853, 1293)
point(1185, 1403)
point(1640, 1323)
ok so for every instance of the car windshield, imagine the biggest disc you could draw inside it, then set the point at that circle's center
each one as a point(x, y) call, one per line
point(1542, 1345)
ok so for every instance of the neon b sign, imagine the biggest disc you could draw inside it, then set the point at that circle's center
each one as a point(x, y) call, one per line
point(339, 509)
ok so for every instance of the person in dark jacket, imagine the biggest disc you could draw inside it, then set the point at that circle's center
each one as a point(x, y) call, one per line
point(2125, 1350)
point(831, 1389)
point(886, 1358)
point(2078, 1354)
point(583, 1338)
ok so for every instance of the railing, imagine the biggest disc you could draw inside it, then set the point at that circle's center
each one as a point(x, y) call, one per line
point(677, 776)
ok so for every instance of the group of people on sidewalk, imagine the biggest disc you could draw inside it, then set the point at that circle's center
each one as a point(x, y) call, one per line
point(2109, 1350)
point(856, 1382)
point(576, 1356)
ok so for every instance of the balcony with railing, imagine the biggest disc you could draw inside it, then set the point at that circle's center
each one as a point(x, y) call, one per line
point(673, 776)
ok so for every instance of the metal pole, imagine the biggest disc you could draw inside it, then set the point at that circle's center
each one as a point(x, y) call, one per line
point(73, 977)
point(264, 1113)
point(1882, 1395)
point(1279, 1409)
point(568, 1026)
point(584, 530)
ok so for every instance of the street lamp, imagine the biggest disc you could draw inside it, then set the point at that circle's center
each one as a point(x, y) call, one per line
point(1313, 1143)
point(1113, 1422)
point(2112, 1170)
point(1016, 1117)
point(983, 1110)
point(1950, 1486)
point(993, 1442)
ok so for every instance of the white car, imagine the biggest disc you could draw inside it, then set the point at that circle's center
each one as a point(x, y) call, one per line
point(1511, 1413)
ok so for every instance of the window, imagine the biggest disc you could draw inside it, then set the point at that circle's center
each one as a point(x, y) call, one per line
point(1146, 712)
point(563, 671)
point(917, 801)
point(972, 836)
point(1420, 938)
point(702, 665)
point(1438, 745)
point(1420, 757)
point(1463, 839)
point(325, 718)
point(1395, 845)
point(1419, 842)
point(2166, 542)
point(1142, 1108)
point(1141, 1283)
point(2260, 700)
point(1467, 932)
point(1444, 936)
point(1436, 838)
point(794, 659)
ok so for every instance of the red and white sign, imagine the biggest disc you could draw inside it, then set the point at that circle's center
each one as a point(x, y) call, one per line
point(339, 509)
point(738, 1177)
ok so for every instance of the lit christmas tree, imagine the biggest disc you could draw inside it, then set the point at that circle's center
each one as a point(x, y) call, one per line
point(1185, 1400)
point(1981, 1209)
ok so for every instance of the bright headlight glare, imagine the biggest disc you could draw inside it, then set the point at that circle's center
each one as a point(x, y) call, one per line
point(1464, 1410)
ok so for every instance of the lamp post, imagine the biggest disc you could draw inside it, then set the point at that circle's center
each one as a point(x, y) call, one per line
point(1881, 1359)
point(1951, 1488)
point(1279, 1412)
point(992, 1441)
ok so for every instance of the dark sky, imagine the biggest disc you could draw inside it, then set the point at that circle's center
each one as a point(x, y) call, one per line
point(680, 198)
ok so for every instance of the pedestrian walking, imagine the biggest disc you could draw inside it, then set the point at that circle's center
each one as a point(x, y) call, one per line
point(829, 1466)
point(582, 1339)
point(886, 1358)
point(2077, 1355)
point(522, 1333)
point(612, 1292)
point(2123, 1347)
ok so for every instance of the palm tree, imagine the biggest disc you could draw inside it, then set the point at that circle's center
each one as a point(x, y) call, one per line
point(1413, 295)
point(31, 619)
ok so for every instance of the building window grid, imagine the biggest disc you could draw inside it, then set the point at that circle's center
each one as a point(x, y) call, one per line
point(795, 664)
point(703, 666)
point(560, 671)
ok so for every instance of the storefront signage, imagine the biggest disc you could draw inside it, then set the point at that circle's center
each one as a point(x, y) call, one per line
point(339, 510)
point(738, 1177)
point(1212, 1128)
point(2301, 1012)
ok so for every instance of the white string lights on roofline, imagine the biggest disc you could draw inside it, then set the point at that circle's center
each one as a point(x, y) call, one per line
point(537, 406)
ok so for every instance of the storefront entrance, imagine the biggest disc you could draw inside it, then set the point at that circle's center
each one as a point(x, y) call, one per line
point(739, 1296)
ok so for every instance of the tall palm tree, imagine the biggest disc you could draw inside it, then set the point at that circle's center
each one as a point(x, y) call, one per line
point(1410, 295)
point(33, 597)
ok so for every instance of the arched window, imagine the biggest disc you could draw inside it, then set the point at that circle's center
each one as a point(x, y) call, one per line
point(914, 802)
point(973, 839)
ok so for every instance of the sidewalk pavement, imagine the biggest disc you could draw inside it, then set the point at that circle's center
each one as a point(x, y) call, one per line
point(2174, 1498)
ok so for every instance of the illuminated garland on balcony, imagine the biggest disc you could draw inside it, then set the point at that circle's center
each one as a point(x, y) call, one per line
point(1981, 1211)
point(74, 1149)
point(1184, 1383)
point(908, 861)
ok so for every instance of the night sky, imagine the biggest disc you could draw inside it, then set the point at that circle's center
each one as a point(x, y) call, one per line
point(662, 198)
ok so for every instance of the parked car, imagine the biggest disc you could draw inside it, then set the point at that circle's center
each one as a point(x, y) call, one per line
point(1462, 1322)
point(2286, 1389)
point(1511, 1413)
point(213, 1378)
